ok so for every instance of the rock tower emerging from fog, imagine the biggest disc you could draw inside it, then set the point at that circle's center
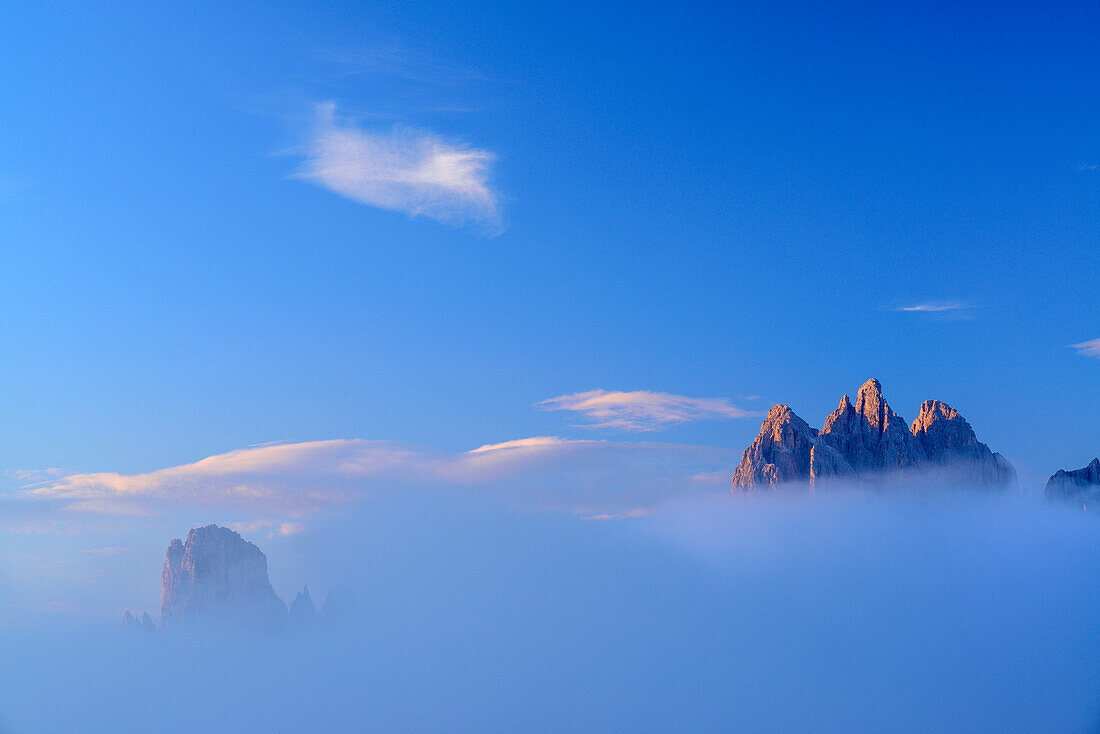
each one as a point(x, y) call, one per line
point(1079, 485)
point(868, 439)
point(218, 577)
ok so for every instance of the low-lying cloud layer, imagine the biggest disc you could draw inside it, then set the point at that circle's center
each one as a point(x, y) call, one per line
point(404, 170)
point(827, 612)
point(642, 410)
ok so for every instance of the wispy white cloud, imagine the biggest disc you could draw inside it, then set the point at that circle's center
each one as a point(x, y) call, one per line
point(110, 550)
point(34, 476)
point(642, 410)
point(274, 487)
point(934, 307)
point(1090, 348)
point(404, 170)
point(1087, 167)
point(534, 442)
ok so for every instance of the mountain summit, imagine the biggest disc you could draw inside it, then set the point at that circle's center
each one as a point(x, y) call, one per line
point(218, 576)
point(868, 439)
point(1079, 485)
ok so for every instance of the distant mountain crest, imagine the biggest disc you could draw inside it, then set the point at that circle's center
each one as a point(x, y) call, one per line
point(1079, 485)
point(866, 439)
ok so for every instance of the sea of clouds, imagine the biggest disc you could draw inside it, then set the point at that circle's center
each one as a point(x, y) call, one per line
point(839, 611)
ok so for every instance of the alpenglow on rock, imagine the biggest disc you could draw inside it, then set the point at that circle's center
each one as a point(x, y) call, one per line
point(780, 453)
point(1080, 485)
point(868, 439)
point(218, 577)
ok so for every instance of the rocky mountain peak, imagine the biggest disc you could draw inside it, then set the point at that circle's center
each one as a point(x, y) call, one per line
point(1079, 485)
point(302, 609)
point(870, 391)
point(948, 440)
point(872, 406)
point(216, 575)
point(868, 436)
point(931, 410)
point(865, 439)
point(145, 624)
point(781, 452)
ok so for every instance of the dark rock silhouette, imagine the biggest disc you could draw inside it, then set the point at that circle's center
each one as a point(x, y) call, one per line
point(302, 611)
point(145, 624)
point(217, 577)
point(1079, 485)
point(868, 439)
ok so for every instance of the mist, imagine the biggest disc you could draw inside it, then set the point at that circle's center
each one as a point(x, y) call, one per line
point(846, 610)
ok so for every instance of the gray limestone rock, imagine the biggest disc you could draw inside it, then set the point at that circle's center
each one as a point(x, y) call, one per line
point(950, 443)
point(217, 577)
point(868, 439)
point(869, 435)
point(780, 453)
point(1079, 485)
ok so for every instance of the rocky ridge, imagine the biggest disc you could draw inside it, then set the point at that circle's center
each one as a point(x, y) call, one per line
point(868, 439)
point(1079, 485)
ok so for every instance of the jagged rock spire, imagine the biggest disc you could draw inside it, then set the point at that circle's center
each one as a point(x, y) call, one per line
point(780, 453)
point(947, 438)
point(302, 609)
point(868, 436)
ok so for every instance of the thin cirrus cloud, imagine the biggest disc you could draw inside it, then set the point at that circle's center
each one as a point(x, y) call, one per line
point(415, 172)
point(934, 307)
point(1091, 348)
point(276, 486)
point(643, 410)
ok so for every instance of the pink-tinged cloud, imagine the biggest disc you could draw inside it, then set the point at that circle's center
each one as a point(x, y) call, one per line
point(642, 410)
point(275, 486)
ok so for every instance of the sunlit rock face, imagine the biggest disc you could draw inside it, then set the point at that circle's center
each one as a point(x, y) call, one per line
point(1080, 485)
point(949, 441)
point(780, 453)
point(218, 578)
point(868, 439)
point(867, 436)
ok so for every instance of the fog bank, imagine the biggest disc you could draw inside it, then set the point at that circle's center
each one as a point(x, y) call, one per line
point(836, 612)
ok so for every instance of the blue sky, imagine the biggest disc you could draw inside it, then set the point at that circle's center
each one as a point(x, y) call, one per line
point(227, 225)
